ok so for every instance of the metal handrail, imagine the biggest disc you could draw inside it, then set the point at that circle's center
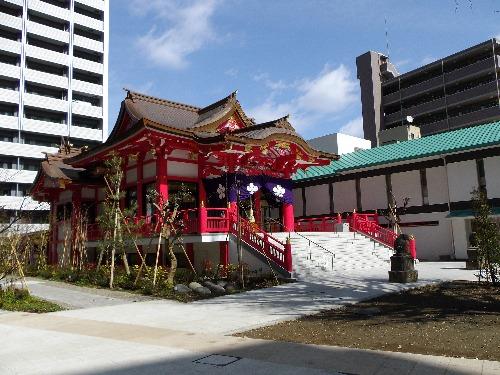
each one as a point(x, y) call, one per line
point(301, 235)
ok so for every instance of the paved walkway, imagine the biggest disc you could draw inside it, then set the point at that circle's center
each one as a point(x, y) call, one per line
point(159, 337)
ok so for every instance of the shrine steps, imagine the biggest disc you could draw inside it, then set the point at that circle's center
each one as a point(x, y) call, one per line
point(322, 253)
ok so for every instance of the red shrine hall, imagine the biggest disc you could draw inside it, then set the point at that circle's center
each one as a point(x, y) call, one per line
point(231, 166)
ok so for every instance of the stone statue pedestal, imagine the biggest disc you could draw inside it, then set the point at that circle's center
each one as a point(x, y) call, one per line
point(402, 269)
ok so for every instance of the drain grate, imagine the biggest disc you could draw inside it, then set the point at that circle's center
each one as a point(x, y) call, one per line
point(218, 360)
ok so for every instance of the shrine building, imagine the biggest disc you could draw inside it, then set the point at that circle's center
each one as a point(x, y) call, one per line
point(231, 166)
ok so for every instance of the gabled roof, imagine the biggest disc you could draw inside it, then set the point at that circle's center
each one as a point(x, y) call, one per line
point(438, 144)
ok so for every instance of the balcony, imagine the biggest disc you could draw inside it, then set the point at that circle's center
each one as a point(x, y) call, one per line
point(391, 98)
point(96, 4)
point(86, 109)
point(9, 122)
point(82, 20)
point(392, 117)
point(11, 71)
point(86, 87)
point(86, 133)
point(469, 70)
point(51, 10)
point(475, 118)
point(434, 127)
point(44, 127)
point(27, 151)
point(17, 176)
point(87, 65)
point(431, 106)
point(48, 32)
point(11, 21)
point(87, 43)
point(9, 96)
point(16, 2)
point(47, 55)
point(11, 46)
point(432, 83)
point(474, 93)
point(46, 78)
point(45, 102)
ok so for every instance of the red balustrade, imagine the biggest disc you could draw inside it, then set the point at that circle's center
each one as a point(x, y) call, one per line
point(369, 226)
point(279, 252)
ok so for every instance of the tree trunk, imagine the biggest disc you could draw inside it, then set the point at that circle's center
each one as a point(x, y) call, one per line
point(157, 256)
point(173, 263)
point(113, 249)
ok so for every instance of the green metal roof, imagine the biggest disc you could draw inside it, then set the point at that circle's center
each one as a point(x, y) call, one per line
point(437, 144)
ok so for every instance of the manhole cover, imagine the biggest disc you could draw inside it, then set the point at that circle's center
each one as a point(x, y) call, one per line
point(217, 360)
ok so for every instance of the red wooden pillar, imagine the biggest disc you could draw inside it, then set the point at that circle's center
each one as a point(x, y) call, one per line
point(202, 194)
point(123, 182)
point(339, 218)
point(288, 217)
point(288, 255)
point(353, 220)
point(140, 176)
point(52, 250)
point(224, 256)
point(202, 218)
point(161, 175)
point(413, 247)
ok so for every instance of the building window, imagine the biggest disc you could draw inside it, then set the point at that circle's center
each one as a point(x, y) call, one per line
point(131, 199)
point(481, 176)
point(423, 185)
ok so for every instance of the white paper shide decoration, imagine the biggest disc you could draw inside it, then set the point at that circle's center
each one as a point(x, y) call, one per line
point(221, 191)
point(251, 188)
point(279, 191)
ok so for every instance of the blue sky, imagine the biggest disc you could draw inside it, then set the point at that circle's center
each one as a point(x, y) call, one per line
point(283, 56)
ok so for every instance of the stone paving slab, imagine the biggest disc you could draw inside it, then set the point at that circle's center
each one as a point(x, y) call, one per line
point(240, 312)
point(123, 348)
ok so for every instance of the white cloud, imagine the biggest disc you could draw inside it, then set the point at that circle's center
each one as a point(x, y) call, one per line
point(180, 31)
point(353, 127)
point(330, 92)
point(310, 100)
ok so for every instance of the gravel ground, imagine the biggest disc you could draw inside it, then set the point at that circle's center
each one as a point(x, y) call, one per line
point(456, 319)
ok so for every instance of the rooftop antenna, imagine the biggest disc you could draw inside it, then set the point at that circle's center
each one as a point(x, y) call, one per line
point(386, 37)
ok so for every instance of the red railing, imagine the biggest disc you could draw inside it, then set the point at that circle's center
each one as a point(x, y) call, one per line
point(317, 224)
point(368, 225)
point(279, 252)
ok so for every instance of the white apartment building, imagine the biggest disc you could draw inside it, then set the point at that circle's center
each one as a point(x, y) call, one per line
point(53, 83)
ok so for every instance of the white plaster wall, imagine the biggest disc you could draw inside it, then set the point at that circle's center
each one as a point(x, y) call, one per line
point(373, 193)
point(348, 143)
point(462, 179)
point(492, 172)
point(344, 196)
point(460, 237)
point(131, 175)
point(317, 200)
point(88, 193)
point(182, 154)
point(407, 184)
point(255, 265)
point(206, 251)
point(149, 170)
point(180, 169)
point(432, 241)
point(437, 185)
point(297, 202)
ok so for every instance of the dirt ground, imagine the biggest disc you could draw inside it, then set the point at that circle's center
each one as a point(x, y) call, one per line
point(455, 319)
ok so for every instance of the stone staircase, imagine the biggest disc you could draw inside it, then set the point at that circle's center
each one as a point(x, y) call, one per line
point(322, 254)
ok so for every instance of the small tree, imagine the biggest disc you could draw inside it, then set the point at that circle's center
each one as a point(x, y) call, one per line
point(110, 221)
point(487, 238)
point(393, 212)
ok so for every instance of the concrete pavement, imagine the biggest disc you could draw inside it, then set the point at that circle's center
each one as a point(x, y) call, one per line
point(163, 337)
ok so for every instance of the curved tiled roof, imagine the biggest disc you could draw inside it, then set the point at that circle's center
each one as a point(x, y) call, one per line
point(432, 145)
